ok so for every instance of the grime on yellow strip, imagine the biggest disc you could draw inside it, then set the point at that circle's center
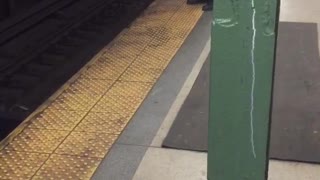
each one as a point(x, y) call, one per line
point(67, 137)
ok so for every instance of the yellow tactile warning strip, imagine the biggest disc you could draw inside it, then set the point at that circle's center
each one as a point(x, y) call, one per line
point(70, 134)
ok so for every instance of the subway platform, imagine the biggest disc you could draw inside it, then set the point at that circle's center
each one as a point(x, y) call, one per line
point(110, 121)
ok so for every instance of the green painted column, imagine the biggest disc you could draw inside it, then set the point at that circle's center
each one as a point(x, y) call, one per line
point(242, 63)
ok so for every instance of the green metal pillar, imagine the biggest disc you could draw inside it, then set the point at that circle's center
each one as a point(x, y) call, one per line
point(242, 63)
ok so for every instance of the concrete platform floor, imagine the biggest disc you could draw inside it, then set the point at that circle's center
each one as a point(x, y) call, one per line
point(138, 154)
point(159, 163)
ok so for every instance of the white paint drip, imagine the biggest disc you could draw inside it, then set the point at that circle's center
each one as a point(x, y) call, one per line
point(224, 22)
point(253, 75)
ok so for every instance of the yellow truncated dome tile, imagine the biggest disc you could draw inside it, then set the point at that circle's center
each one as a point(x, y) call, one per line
point(111, 123)
point(92, 87)
point(57, 119)
point(20, 165)
point(93, 144)
point(75, 101)
point(37, 140)
point(120, 104)
point(67, 167)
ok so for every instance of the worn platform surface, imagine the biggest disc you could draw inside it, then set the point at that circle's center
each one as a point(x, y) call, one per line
point(190, 128)
point(69, 135)
point(295, 126)
point(295, 132)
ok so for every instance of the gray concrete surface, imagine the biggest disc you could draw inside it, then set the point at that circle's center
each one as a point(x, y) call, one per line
point(125, 156)
point(169, 164)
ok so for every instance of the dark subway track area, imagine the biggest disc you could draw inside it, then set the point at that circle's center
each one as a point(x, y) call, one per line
point(40, 51)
